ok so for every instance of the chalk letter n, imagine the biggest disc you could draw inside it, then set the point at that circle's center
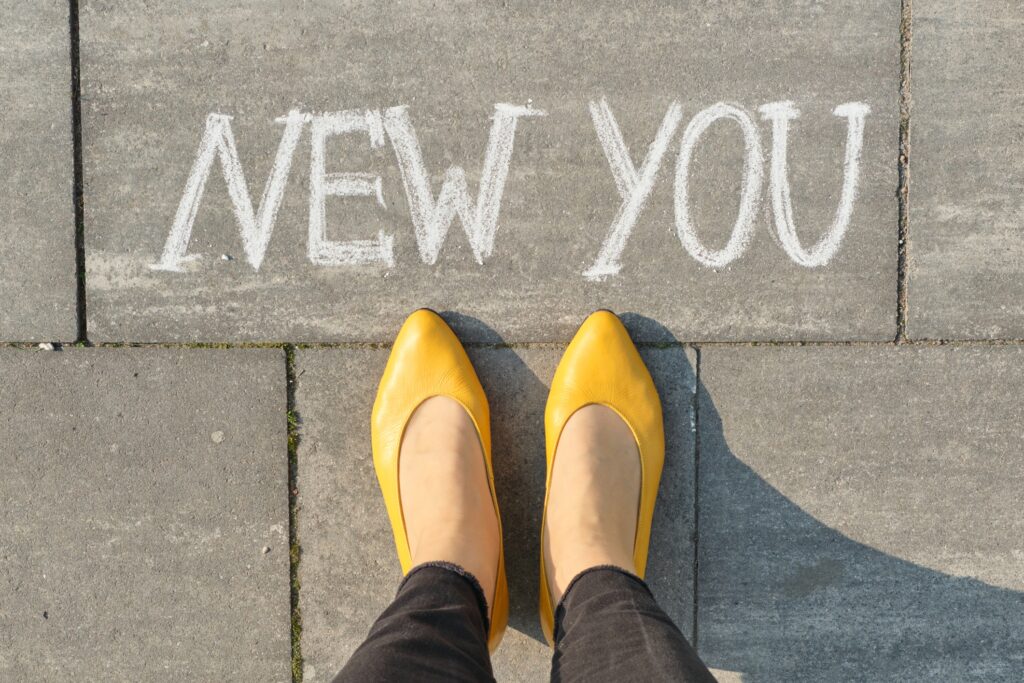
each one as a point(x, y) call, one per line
point(219, 143)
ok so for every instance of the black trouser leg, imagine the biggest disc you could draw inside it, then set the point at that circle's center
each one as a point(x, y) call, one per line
point(435, 630)
point(608, 627)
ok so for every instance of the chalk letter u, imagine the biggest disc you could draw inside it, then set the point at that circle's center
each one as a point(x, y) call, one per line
point(780, 114)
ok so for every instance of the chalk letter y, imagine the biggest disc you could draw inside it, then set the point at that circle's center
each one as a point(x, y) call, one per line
point(634, 188)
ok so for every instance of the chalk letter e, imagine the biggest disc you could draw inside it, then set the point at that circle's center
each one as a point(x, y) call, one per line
point(321, 251)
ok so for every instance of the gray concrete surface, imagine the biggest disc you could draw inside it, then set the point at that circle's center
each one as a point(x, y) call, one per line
point(37, 222)
point(860, 513)
point(152, 73)
point(858, 504)
point(966, 242)
point(348, 568)
point(144, 508)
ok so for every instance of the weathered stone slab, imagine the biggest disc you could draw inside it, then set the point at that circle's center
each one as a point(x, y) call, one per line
point(144, 508)
point(37, 220)
point(348, 567)
point(860, 513)
point(154, 73)
point(966, 240)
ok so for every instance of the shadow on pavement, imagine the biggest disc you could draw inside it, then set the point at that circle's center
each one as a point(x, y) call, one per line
point(517, 435)
point(784, 597)
point(781, 595)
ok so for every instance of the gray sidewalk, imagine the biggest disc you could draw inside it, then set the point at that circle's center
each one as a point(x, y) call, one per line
point(184, 181)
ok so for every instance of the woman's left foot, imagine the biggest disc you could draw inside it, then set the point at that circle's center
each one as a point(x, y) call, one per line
point(593, 498)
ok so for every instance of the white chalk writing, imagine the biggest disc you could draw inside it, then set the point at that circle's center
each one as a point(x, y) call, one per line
point(432, 214)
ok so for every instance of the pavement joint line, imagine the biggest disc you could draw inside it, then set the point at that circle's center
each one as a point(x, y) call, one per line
point(553, 345)
point(294, 545)
point(78, 181)
point(902, 276)
point(696, 497)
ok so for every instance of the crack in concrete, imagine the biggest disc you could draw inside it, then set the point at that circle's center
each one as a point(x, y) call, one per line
point(295, 547)
point(78, 180)
point(902, 277)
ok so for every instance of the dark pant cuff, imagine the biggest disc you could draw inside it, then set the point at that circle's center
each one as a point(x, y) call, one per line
point(478, 590)
point(560, 607)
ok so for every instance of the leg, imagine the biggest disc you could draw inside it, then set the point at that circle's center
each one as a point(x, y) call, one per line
point(435, 630)
point(608, 627)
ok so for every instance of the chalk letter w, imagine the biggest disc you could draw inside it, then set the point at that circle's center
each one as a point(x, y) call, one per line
point(431, 219)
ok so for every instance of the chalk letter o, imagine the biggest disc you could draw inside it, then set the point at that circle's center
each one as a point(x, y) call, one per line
point(753, 172)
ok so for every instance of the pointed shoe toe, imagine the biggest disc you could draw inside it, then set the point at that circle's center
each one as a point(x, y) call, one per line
point(427, 360)
point(601, 366)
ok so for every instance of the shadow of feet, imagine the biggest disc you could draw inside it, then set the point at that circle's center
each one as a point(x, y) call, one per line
point(782, 596)
point(785, 597)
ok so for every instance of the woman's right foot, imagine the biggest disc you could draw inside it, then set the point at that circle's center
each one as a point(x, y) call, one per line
point(593, 497)
point(446, 501)
point(430, 430)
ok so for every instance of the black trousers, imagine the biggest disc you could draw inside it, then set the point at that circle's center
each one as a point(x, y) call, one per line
point(608, 627)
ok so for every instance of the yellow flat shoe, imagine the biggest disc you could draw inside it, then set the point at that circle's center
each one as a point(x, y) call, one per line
point(427, 360)
point(602, 366)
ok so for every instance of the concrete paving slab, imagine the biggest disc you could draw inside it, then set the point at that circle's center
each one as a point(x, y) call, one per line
point(144, 503)
point(860, 513)
point(349, 252)
point(966, 245)
point(348, 568)
point(37, 220)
